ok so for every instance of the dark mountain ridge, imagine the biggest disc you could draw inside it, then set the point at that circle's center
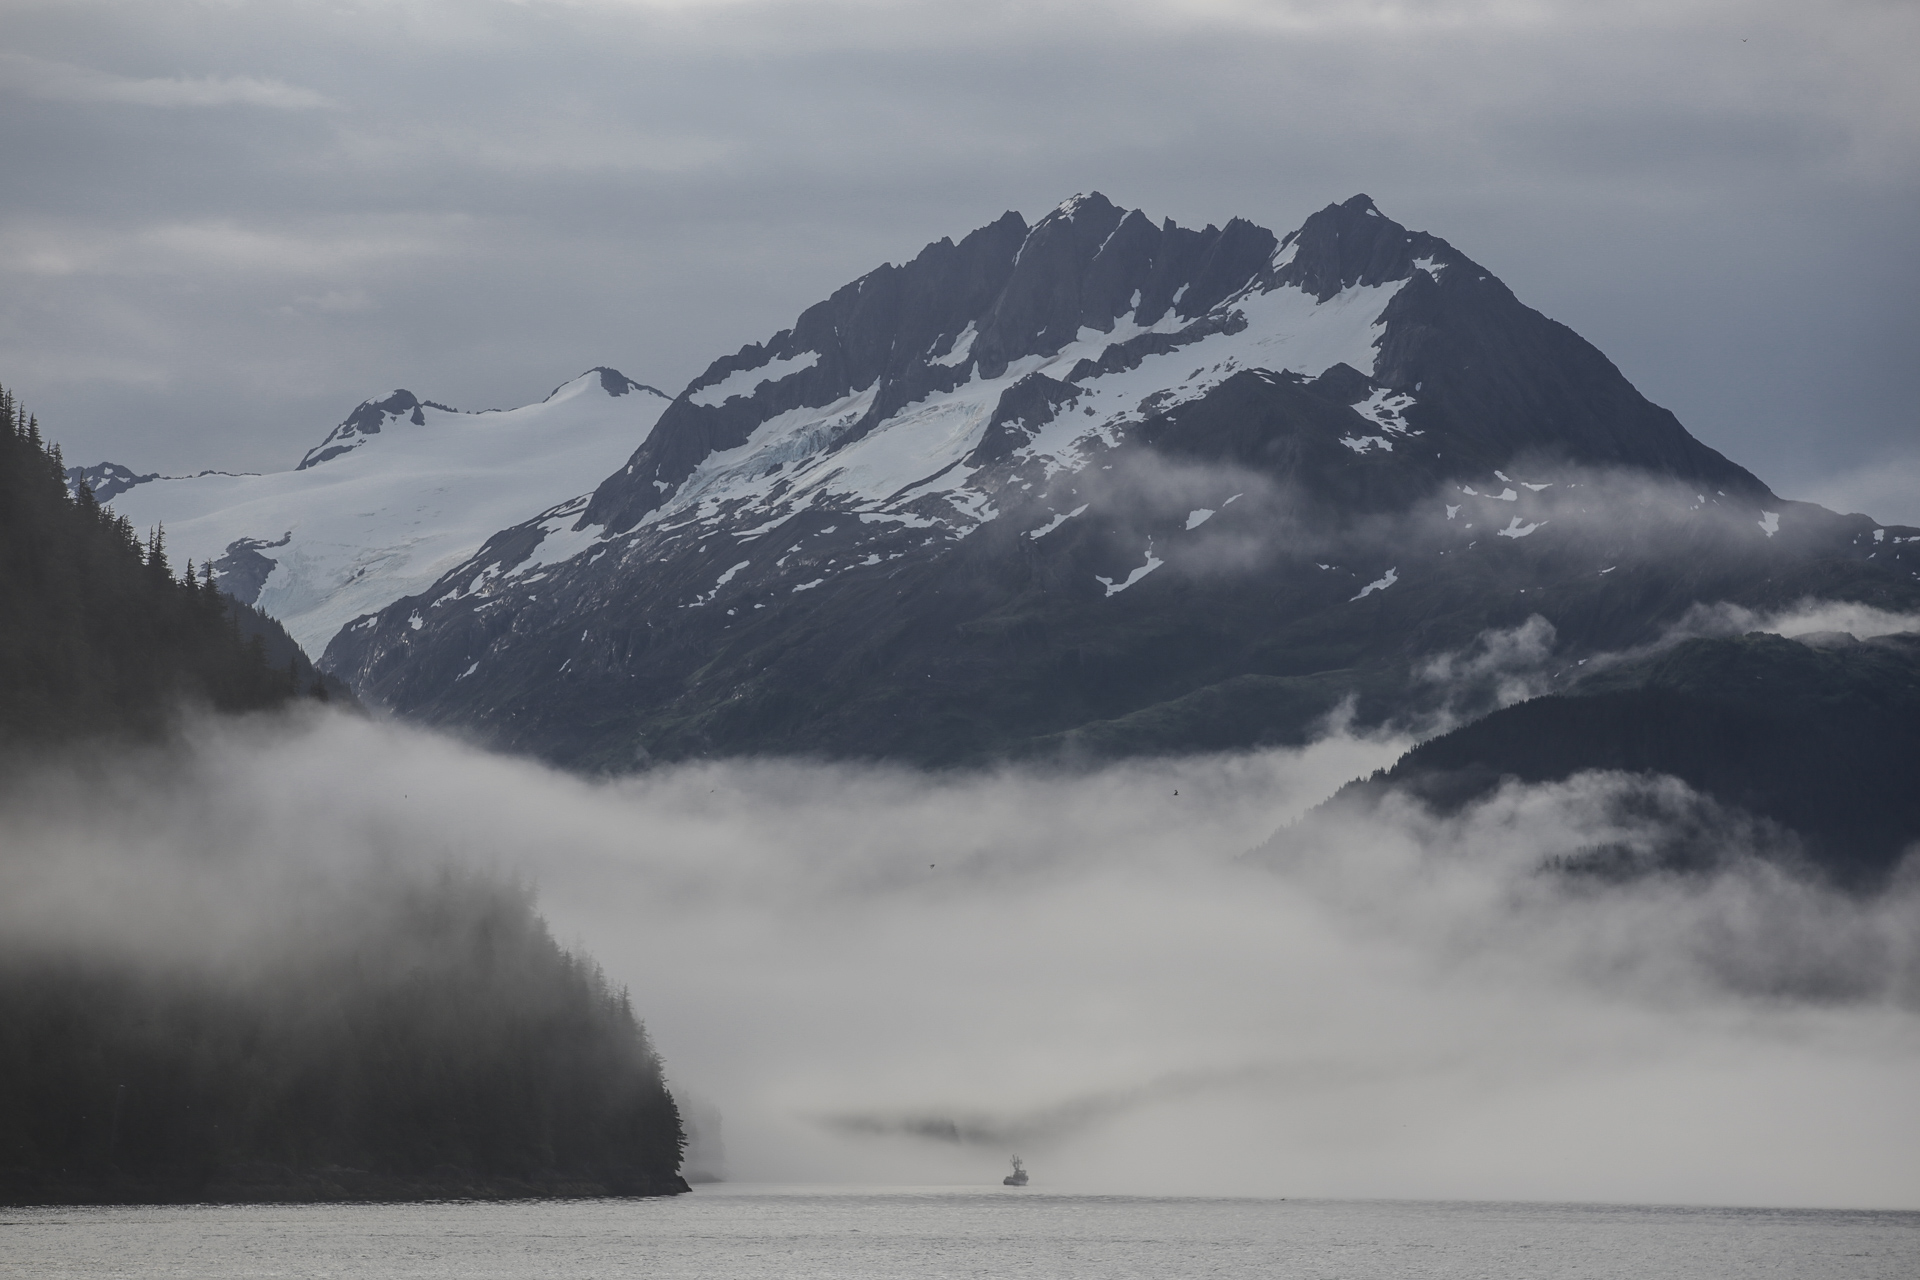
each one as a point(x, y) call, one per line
point(1819, 735)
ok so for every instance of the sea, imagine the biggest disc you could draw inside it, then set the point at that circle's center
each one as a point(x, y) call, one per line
point(743, 1232)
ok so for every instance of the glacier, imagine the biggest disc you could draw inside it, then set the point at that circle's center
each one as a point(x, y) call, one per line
point(391, 509)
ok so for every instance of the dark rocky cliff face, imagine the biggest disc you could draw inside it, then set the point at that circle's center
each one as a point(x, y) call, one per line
point(1104, 486)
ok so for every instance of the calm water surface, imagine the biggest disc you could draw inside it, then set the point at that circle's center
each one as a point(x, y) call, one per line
point(754, 1233)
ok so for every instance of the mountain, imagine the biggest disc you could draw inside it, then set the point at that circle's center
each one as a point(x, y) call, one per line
point(1817, 734)
point(97, 635)
point(397, 494)
point(105, 481)
point(1102, 486)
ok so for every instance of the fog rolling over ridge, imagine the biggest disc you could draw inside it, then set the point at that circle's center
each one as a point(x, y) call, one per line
point(879, 975)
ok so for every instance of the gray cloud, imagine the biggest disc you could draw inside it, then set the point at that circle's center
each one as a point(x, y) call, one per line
point(1715, 192)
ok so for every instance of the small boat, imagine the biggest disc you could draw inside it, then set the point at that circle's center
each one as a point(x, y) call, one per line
point(1018, 1178)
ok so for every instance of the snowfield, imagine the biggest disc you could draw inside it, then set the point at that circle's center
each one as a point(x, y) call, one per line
point(350, 535)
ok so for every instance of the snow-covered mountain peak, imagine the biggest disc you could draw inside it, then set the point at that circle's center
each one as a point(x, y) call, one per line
point(609, 381)
point(920, 402)
point(399, 492)
point(904, 385)
point(403, 409)
point(1075, 204)
point(367, 421)
point(1353, 243)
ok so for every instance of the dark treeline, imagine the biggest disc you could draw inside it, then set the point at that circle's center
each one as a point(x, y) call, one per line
point(417, 1038)
point(97, 633)
point(284, 654)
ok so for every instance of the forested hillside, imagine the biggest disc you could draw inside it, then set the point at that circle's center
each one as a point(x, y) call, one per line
point(416, 1039)
point(98, 634)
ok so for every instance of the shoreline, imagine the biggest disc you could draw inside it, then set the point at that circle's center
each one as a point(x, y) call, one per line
point(19, 1189)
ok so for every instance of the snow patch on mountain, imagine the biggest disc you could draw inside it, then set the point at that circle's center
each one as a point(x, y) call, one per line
point(560, 541)
point(1381, 583)
point(962, 347)
point(744, 382)
point(1115, 588)
point(1056, 522)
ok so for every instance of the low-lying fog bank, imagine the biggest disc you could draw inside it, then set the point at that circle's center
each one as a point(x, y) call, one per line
point(883, 976)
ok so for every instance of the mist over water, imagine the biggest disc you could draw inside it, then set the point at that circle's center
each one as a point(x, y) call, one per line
point(881, 976)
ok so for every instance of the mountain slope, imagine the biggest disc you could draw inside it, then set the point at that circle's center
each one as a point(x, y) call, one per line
point(1100, 485)
point(1819, 734)
point(397, 494)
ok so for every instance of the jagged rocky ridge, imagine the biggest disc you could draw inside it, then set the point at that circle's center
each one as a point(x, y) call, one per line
point(1105, 486)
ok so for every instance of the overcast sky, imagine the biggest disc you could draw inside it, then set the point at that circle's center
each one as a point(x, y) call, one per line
point(223, 223)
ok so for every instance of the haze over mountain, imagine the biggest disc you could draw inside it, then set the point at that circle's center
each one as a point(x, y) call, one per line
point(1106, 486)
